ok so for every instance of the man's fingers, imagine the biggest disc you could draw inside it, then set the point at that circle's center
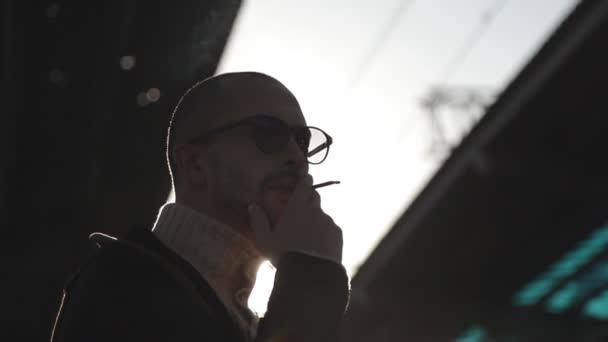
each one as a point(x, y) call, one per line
point(302, 190)
point(315, 199)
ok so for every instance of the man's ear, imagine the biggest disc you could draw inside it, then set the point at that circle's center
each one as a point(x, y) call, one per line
point(190, 162)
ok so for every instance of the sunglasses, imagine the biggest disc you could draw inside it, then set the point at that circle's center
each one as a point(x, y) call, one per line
point(271, 135)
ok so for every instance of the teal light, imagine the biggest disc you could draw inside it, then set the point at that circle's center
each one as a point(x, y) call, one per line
point(533, 292)
point(575, 290)
point(597, 307)
point(475, 333)
point(573, 260)
point(601, 234)
point(564, 298)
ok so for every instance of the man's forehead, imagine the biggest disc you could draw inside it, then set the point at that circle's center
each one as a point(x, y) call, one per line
point(259, 96)
point(233, 97)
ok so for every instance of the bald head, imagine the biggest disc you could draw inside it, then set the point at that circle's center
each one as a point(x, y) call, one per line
point(221, 99)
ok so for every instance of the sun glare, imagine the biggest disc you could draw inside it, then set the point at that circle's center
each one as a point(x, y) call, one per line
point(258, 300)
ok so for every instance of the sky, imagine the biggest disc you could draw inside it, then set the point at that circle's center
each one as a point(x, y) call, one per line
point(360, 70)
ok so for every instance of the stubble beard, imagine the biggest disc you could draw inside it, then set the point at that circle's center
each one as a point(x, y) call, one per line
point(231, 199)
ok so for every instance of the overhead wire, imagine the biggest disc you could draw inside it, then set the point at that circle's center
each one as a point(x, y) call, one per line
point(472, 40)
point(466, 48)
point(378, 43)
point(455, 63)
point(439, 141)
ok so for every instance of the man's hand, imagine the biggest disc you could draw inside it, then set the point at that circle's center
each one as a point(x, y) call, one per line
point(302, 227)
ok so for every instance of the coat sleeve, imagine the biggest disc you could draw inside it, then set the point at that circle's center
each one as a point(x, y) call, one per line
point(110, 302)
point(309, 298)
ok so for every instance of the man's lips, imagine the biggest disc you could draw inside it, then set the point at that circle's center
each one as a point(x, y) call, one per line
point(282, 188)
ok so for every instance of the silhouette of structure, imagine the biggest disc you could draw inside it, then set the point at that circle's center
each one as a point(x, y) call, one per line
point(508, 241)
point(87, 88)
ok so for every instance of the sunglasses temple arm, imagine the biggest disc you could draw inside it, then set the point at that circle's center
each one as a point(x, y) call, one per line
point(317, 150)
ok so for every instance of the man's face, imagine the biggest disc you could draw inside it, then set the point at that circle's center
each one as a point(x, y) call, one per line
point(238, 172)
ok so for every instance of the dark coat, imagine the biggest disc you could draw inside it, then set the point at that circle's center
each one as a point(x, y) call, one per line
point(138, 290)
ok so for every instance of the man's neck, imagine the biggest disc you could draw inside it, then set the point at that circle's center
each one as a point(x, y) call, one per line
point(226, 260)
point(231, 219)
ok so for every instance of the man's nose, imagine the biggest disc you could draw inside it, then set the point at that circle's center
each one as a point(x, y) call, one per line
point(295, 157)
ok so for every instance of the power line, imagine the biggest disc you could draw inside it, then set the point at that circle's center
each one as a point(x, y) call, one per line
point(463, 52)
point(442, 97)
point(380, 40)
point(465, 49)
point(472, 40)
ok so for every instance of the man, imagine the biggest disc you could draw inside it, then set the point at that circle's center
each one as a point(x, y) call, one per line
point(238, 150)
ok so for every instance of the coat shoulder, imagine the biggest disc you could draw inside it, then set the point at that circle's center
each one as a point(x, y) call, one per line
point(122, 294)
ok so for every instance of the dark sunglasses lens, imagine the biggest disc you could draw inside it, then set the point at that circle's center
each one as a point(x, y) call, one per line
point(302, 137)
point(271, 135)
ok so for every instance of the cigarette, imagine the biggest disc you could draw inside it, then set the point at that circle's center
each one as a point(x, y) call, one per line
point(320, 185)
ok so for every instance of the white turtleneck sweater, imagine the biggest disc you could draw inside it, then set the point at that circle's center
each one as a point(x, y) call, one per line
point(224, 258)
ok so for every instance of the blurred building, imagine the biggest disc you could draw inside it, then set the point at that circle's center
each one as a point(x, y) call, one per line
point(86, 92)
point(508, 241)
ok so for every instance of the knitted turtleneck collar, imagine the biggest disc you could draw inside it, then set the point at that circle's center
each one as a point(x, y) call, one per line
point(227, 260)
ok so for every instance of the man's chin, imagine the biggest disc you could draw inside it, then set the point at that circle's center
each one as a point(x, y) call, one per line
point(274, 202)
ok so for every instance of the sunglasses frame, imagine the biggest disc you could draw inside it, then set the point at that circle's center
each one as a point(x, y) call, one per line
point(204, 138)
